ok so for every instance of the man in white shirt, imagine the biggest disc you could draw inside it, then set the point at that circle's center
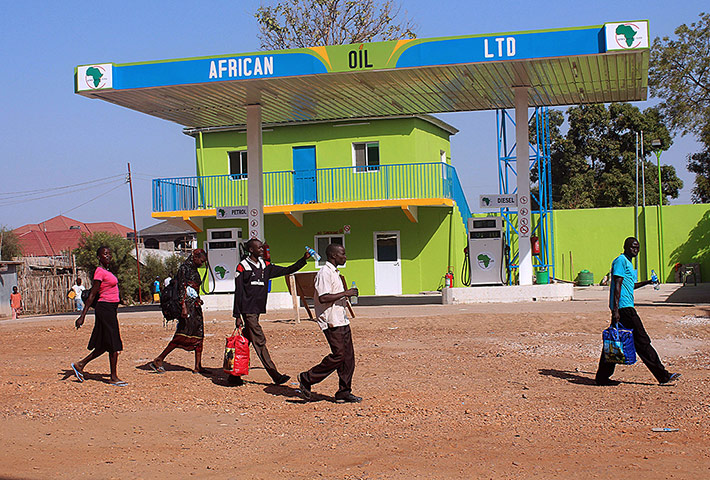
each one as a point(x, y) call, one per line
point(78, 288)
point(330, 305)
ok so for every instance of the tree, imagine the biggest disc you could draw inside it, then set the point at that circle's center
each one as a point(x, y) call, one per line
point(123, 264)
point(10, 246)
point(594, 163)
point(679, 75)
point(307, 23)
point(699, 164)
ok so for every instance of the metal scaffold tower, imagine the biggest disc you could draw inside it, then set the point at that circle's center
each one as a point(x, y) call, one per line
point(540, 191)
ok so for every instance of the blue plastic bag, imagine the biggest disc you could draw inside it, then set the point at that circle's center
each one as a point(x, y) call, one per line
point(619, 345)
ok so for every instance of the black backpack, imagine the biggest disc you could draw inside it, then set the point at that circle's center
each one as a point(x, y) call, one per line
point(169, 302)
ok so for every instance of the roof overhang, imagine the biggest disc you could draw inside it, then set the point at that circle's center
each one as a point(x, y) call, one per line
point(596, 64)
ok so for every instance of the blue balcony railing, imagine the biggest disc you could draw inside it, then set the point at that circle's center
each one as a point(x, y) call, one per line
point(323, 185)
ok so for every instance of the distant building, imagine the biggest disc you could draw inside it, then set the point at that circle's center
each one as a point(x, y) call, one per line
point(59, 235)
point(166, 236)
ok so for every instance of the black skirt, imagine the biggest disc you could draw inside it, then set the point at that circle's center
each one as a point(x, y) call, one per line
point(106, 335)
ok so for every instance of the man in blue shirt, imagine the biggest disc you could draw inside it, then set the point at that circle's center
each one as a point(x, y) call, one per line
point(621, 303)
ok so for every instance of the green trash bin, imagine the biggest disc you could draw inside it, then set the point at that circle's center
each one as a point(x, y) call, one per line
point(542, 277)
point(585, 278)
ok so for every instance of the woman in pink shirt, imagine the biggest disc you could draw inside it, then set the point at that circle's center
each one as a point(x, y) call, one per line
point(105, 337)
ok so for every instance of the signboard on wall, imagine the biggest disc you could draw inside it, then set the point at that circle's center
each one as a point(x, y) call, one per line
point(232, 212)
point(94, 77)
point(626, 36)
point(498, 201)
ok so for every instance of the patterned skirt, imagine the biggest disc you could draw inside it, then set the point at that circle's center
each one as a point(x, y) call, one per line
point(190, 331)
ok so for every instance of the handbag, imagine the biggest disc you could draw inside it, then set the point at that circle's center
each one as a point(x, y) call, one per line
point(236, 355)
point(619, 345)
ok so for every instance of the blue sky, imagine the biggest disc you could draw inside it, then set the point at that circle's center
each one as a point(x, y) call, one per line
point(52, 137)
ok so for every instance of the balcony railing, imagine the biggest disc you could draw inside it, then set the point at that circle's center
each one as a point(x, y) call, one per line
point(323, 185)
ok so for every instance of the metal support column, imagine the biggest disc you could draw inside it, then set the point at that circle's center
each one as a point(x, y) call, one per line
point(522, 161)
point(255, 173)
point(540, 205)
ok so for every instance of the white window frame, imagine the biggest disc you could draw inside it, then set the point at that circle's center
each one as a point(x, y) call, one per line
point(367, 167)
point(242, 162)
point(323, 259)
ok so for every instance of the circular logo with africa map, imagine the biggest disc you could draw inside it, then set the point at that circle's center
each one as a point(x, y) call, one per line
point(96, 76)
point(221, 271)
point(485, 261)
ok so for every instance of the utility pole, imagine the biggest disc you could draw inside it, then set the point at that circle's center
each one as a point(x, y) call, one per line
point(135, 233)
point(661, 254)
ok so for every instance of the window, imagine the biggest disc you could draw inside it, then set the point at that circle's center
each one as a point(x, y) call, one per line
point(238, 164)
point(366, 156)
point(322, 242)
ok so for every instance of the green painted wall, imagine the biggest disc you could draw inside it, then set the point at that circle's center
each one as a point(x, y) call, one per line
point(594, 237)
point(408, 140)
point(426, 247)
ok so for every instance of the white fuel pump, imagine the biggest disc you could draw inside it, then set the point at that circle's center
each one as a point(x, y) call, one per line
point(485, 250)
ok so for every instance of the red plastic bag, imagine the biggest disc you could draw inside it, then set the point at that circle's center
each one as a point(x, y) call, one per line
point(236, 355)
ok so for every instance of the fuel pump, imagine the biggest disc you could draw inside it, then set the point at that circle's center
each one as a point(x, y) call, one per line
point(486, 250)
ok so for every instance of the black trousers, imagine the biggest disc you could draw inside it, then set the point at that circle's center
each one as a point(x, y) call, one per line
point(253, 332)
point(341, 359)
point(630, 320)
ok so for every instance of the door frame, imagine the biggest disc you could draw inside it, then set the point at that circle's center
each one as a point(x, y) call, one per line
point(399, 255)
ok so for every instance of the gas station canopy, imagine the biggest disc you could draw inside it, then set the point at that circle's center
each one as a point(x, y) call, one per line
point(603, 63)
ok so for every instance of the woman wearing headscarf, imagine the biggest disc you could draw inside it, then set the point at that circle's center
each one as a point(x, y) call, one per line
point(105, 337)
point(190, 331)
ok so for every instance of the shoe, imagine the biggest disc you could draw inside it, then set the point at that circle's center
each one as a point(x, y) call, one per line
point(77, 373)
point(235, 381)
point(671, 378)
point(155, 368)
point(282, 379)
point(304, 387)
point(607, 383)
point(349, 398)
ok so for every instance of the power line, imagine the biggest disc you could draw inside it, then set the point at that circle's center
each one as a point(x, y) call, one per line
point(15, 201)
point(25, 192)
point(91, 200)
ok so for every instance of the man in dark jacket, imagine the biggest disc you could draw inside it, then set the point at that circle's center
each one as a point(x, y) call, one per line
point(251, 290)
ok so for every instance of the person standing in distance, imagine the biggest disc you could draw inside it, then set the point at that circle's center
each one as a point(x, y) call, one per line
point(250, 293)
point(621, 303)
point(330, 306)
point(78, 289)
point(156, 290)
point(15, 303)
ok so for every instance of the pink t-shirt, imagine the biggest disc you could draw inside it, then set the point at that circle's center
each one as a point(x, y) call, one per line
point(108, 290)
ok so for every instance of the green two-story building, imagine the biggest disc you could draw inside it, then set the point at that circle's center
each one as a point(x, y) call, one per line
point(383, 187)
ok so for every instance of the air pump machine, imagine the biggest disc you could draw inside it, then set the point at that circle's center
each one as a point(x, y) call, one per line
point(485, 250)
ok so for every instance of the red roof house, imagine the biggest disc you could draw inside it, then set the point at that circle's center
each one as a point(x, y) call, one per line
point(60, 234)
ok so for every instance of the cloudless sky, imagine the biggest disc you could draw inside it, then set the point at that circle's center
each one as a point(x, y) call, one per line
point(52, 137)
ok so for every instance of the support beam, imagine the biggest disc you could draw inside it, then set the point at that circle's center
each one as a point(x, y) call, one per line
point(522, 167)
point(412, 213)
point(255, 173)
point(194, 223)
point(295, 217)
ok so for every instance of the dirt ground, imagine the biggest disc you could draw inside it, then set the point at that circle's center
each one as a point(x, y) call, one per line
point(450, 392)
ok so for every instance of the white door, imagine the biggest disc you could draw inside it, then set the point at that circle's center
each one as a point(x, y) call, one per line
point(223, 253)
point(388, 264)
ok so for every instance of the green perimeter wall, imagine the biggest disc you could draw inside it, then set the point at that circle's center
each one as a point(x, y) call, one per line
point(426, 247)
point(406, 140)
point(594, 237)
